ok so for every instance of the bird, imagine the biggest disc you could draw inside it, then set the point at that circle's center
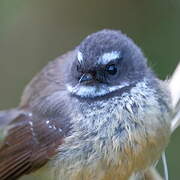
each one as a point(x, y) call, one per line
point(98, 112)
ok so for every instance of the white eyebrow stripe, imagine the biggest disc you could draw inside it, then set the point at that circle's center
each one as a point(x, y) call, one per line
point(80, 56)
point(109, 56)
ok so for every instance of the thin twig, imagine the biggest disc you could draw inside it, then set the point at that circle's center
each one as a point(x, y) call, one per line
point(174, 86)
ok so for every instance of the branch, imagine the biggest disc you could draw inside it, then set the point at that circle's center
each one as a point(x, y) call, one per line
point(174, 86)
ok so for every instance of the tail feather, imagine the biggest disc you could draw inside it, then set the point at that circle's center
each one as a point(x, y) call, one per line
point(6, 117)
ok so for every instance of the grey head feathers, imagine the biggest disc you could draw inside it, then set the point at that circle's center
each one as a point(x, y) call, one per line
point(105, 62)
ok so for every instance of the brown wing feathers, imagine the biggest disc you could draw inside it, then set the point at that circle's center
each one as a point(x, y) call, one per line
point(17, 148)
point(29, 144)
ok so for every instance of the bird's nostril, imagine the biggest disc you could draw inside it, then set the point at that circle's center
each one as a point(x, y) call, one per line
point(93, 73)
point(86, 77)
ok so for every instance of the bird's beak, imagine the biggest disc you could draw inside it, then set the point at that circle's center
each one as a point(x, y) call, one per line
point(86, 77)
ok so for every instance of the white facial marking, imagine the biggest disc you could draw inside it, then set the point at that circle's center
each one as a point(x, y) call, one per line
point(30, 114)
point(109, 56)
point(93, 91)
point(30, 122)
point(79, 56)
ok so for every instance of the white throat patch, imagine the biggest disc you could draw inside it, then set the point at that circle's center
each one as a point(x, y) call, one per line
point(93, 91)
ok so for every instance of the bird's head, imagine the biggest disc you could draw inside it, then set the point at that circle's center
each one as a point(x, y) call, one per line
point(105, 62)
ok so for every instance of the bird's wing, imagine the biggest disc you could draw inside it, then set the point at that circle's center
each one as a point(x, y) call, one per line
point(29, 143)
point(30, 138)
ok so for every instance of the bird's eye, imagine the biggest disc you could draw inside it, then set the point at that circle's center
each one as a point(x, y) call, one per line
point(111, 69)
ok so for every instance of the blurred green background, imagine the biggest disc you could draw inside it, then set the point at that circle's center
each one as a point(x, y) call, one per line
point(32, 32)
